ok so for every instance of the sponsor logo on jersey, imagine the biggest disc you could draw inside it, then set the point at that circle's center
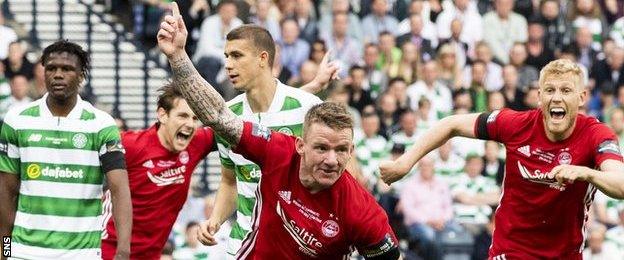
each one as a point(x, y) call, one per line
point(79, 140)
point(285, 130)
point(308, 243)
point(492, 117)
point(4, 148)
point(540, 177)
point(33, 171)
point(251, 172)
point(183, 157)
point(564, 158)
point(285, 195)
point(34, 137)
point(168, 177)
point(148, 164)
point(543, 156)
point(609, 146)
point(165, 164)
point(526, 150)
point(261, 131)
point(330, 228)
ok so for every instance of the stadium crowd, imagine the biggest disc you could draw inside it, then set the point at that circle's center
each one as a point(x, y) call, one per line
point(404, 65)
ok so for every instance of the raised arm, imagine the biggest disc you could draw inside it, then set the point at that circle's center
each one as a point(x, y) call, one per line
point(327, 72)
point(448, 127)
point(205, 101)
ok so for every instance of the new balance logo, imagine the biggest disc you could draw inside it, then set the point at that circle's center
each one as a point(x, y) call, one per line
point(34, 138)
point(285, 195)
point(526, 150)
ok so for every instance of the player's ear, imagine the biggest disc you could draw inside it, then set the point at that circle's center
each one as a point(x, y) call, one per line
point(583, 97)
point(299, 143)
point(264, 59)
point(162, 115)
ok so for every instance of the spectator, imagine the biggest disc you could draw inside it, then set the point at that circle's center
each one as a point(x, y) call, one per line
point(371, 149)
point(344, 49)
point(606, 209)
point(341, 6)
point(494, 166)
point(318, 50)
point(427, 210)
point(531, 98)
point(193, 13)
point(280, 72)
point(262, 18)
point(308, 26)
point(474, 195)
point(340, 94)
point(493, 80)
point(376, 78)
point(359, 97)
point(460, 47)
point(408, 66)
point(398, 88)
point(286, 8)
point(514, 96)
point(483, 240)
point(423, 9)
point(612, 9)
point(209, 53)
point(527, 74)
point(496, 101)
point(617, 124)
point(294, 51)
point(17, 63)
point(448, 165)
point(502, 28)
point(390, 55)
point(538, 53)
point(8, 36)
point(586, 54)
point(416, 37)
point(425, 120)
point(450, 72)
point(19, 86)
point(597, 247)
point(615, 235)
point(477, 87)
point(462, 100)
point(38, 89)
point(609, 70)
point(587, 14)
point(556, 35)
point(407, 134)
point(378, 21)
point(470, 19)
point(306, 74)
point(432, 89)
point(388, 114)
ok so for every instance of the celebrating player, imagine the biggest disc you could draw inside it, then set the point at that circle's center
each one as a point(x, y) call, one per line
point(552, 156)
point(306, 206)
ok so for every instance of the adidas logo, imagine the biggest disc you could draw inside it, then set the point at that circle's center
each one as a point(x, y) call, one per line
point(34, 138)
point(285, 195)
point(148, 164)
point(526, 150)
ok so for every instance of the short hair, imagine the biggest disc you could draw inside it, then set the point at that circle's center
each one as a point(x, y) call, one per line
point(356, 67)
point(258, 36)
point(331, 114)
point(559, 67)
point(71, 48)
point(168, 94)
point(395, 80)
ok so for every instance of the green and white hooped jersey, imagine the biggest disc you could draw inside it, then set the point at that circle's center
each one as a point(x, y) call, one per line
point(370, 152)
point(57, 160)
point(285, 114)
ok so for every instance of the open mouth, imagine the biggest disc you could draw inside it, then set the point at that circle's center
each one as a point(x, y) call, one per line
point(557, 113)
point(233, 77)
point(183, 135)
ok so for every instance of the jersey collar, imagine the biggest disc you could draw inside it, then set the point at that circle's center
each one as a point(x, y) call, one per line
point(276, 103)
point(75, 113)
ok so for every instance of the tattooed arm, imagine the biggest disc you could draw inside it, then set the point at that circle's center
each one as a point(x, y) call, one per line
point(205, 101)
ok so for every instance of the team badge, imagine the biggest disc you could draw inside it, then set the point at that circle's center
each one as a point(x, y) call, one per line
point(79, 140)
point(285, 130)
point(184, 157)
point(330, 228)
point(564, 158)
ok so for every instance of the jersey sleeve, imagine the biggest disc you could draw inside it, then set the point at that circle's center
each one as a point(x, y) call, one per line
point(605, 144)
point(373, 235)
point(258, 143)
point(111, 151)
point(497, 125)
point(9, 153)
point(224, 153)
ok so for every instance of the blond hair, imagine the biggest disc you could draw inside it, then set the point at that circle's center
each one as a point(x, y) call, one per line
point(332, 114)
point(560, 67)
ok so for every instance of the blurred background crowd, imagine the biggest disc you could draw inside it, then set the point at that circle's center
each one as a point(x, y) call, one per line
point(405, 64)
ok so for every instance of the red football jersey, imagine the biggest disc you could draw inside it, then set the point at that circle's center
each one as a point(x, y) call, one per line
point(537, 218)
point(159, 183)
point(291, 223)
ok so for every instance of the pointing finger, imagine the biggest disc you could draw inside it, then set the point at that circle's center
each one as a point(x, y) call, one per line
point(174, 9)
